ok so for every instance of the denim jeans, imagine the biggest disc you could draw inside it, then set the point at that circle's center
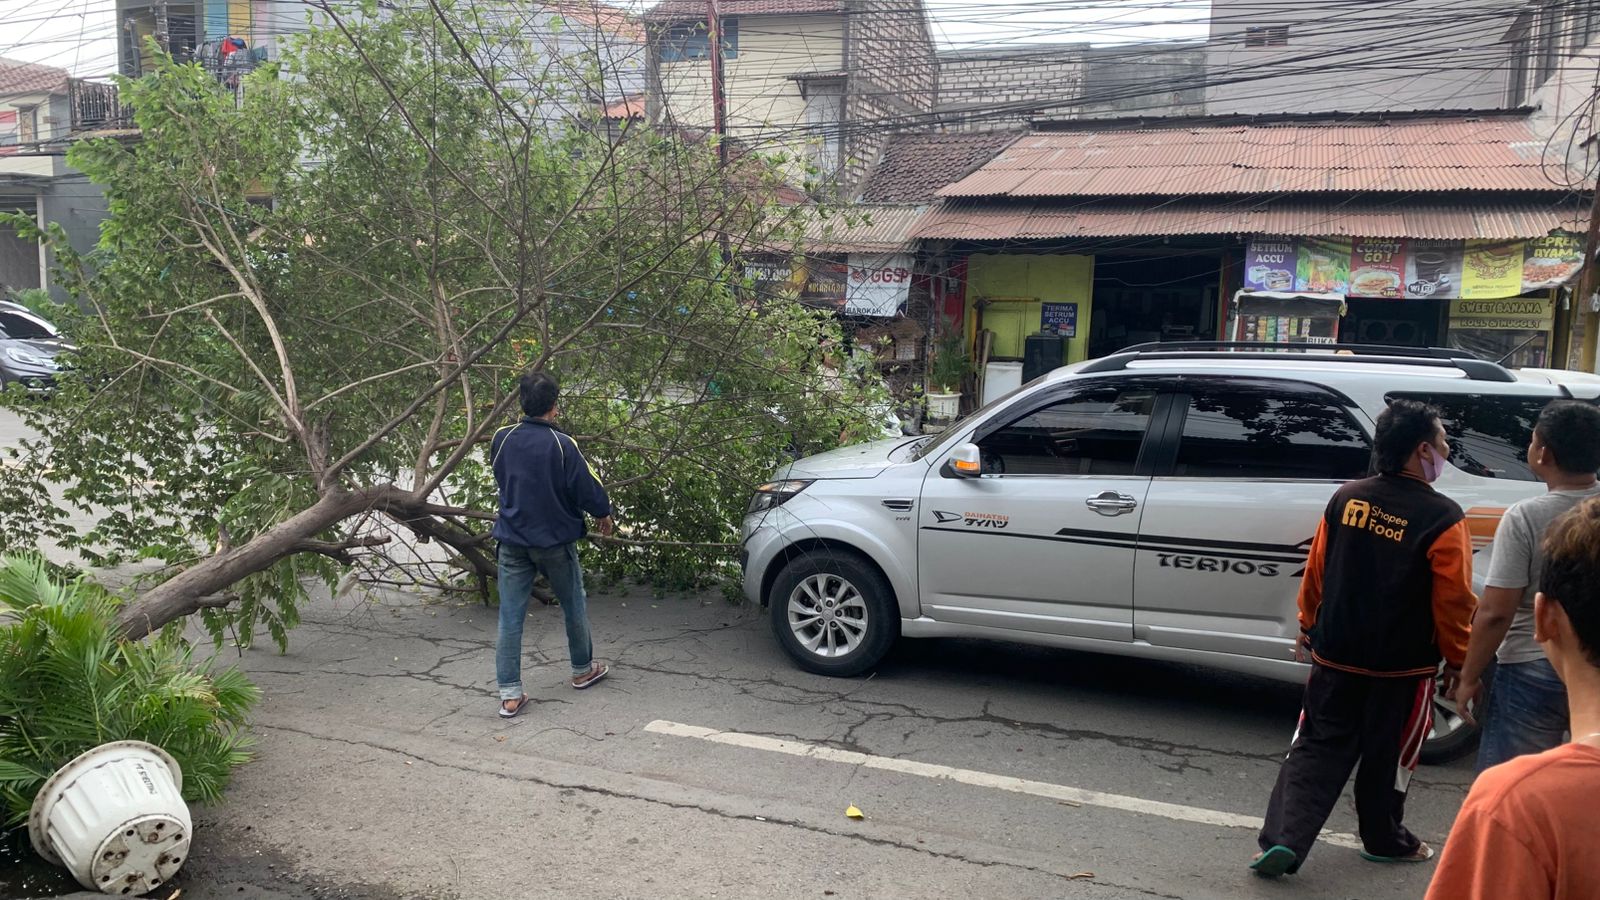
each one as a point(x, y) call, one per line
point(1527, 712)
point(518, 567)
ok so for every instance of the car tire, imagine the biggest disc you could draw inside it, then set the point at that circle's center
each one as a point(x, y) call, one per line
point(834, 613)
point(1451, 738)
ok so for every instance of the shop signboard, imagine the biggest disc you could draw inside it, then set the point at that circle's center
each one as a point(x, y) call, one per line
point(1270, 264)
point(879, 285)
point(1413, 269)
point(1059, 319)
point(1504, 314)
point(812, 281)
point(1433, 269)
point(1378, 269)
point(1549, 261)
point(1491, 269)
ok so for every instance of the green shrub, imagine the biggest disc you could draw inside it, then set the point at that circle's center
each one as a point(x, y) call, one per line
point(68, 684)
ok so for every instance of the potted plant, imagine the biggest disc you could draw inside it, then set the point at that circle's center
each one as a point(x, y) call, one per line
point(948, 370)
point(103, 741)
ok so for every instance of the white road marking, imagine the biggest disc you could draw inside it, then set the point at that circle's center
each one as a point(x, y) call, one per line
point(1176, 812)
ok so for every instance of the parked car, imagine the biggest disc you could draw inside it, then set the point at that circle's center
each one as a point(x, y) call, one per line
point(29, 346)
point(1159, 503)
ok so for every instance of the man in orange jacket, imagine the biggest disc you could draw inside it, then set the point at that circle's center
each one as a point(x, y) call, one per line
point(1387, 592)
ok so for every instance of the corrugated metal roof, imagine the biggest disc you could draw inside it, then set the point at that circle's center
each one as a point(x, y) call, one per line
point(696, 9)
point(1003, 221)
point(1469, 154)
point(863, 228)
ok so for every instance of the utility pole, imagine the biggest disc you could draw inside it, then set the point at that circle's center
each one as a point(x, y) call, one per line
point(163, 39)
point(719, 102)
point(1588, 285)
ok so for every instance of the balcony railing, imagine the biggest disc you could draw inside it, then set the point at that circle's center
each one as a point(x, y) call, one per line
point(97, 105)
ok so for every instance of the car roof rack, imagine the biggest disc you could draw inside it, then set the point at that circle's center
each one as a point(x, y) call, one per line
point(1433, 357)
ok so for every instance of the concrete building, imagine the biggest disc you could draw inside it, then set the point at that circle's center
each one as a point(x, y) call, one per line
point(1318, 56)
point(37, 117)
point(823, 82)
point(991, 88)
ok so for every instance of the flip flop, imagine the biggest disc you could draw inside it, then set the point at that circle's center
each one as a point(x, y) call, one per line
point(514, 711)
point(590, 678)
point(1275, 861)
point(1423, 853)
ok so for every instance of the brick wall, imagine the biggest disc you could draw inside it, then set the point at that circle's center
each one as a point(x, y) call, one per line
point(893, 78)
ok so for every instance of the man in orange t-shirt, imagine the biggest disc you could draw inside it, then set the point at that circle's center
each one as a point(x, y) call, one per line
point(1528, 829)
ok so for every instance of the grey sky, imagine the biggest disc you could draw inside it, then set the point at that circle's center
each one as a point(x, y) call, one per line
point(78, 35)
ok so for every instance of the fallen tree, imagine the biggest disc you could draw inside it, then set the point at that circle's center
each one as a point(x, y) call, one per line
point(312, 300)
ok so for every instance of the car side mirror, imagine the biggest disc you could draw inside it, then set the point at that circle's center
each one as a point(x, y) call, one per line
point(966, 461)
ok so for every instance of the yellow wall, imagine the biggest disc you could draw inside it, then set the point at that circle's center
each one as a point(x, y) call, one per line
point(1052, 278)
point(764, 105)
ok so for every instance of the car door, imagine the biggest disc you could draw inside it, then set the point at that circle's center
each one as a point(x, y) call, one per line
point(1044, 540)
point(1232, 510)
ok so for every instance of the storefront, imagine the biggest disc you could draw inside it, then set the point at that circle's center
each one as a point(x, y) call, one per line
point(1498, 299)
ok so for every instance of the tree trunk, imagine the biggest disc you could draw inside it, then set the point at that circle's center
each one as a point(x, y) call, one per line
point(195, 588)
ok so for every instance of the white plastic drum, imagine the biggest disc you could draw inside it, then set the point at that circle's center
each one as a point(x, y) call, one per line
point(115, 818)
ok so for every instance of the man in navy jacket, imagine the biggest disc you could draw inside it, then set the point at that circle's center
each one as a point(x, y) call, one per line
point(546, 487)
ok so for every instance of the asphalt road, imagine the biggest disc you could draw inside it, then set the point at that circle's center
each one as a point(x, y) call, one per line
point(708, 766)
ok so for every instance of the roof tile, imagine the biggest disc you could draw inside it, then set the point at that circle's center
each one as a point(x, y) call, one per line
point(915, 166)
point(18, 77)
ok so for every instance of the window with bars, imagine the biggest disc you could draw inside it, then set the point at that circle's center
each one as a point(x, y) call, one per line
point(1266, 36)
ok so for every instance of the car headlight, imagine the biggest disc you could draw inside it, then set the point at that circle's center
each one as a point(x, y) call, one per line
point(30, 358)
point(774, 494)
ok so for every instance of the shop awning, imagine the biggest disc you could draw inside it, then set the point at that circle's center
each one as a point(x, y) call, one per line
point(988, 220)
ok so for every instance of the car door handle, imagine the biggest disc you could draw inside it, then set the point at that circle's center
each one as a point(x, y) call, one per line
point(1111, 503)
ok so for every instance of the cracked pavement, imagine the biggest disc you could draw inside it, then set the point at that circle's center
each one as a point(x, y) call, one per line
point(381, 762)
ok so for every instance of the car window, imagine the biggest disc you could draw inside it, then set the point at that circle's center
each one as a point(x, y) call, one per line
point(1097, 432)
point(1489, 433)
point(20, 327)
point(1260, 433)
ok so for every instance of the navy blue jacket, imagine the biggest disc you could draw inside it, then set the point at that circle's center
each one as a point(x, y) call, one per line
point(545, 486)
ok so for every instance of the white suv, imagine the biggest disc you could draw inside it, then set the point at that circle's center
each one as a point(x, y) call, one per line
point(1158, 502)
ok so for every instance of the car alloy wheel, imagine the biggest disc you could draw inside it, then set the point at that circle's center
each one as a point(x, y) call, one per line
point(828, 615)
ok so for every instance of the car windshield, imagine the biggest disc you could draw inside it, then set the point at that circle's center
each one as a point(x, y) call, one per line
point(21, 326)
point(934, 444)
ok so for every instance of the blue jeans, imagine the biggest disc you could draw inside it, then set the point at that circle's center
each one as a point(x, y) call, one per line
point(1527, 712)
point(518, 567)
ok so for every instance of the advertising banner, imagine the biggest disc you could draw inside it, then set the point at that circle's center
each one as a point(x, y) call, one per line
point(1491, 269)
point(879, 285)
point(1413, 269)
point(814, 282)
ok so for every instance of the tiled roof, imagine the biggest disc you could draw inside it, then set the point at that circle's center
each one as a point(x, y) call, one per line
point(915, 166)
point(18, 77)
point(696, 9)
point(601, 16)
point(1406, 217)
point(629, 107)
point(1466, 154)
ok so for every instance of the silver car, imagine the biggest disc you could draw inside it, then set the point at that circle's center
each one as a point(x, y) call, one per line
point(1157, 503)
